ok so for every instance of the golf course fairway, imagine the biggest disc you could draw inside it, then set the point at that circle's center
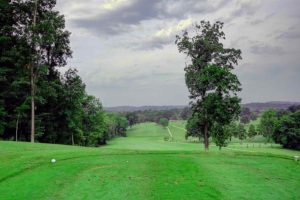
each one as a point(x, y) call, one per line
point(144, 165)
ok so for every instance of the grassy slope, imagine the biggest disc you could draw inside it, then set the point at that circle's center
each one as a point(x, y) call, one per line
point(143, 166)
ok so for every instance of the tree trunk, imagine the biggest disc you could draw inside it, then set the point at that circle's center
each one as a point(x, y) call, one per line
point(206, 142)
point(33, 82)
point(72, 139)
point(32, 107)
point(17, 126)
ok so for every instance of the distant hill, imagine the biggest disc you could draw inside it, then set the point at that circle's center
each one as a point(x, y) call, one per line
point(271, 104)
point(257, 106)
point(141, 108)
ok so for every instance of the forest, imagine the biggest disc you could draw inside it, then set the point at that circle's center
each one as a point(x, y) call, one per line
point(33, 89)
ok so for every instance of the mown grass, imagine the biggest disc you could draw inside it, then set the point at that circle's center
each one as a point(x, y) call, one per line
point(144, 166)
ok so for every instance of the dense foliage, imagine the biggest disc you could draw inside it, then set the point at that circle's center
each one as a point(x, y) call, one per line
point(268, 123)
point(221, 135)
point(252, 131)
point(212, 85)
point(246, 115)
point(287, 131)
point(34, 44)
point(132, 118)
point(164, 122)
point(156, 115)
point(282, 126)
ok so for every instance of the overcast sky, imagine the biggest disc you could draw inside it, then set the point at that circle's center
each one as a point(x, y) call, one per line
point(125, 52)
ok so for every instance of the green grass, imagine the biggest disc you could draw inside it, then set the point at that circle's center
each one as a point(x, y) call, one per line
point(144, 166)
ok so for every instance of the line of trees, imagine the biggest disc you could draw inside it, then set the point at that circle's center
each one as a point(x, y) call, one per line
point(246, 115)
point(155, 115)
point(37, 102)
point(279, 126)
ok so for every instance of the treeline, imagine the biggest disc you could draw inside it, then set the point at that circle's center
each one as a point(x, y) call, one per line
point(34, 96)
point(155, 115)
point(246, 115)
point(282, 126)
point(179, 114)
point(279, 126)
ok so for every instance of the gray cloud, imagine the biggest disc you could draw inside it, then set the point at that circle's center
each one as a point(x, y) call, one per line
point(119, 20)
point(245, 9)
point(242, 9)
point(261, 19)
point(257, 21)
point(291, 33)
point(124, 18)
point(180, 8)
point(153, 43)
point(280, 82)
point(265, 49)
point(126, 54)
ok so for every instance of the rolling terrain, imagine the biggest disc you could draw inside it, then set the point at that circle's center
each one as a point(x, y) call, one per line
point(255, 106)
point(145, 166)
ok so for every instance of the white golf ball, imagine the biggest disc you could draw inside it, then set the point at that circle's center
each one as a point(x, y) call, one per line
point(53, 160)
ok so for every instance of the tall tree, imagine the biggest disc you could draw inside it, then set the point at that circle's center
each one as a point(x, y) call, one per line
point(6, 29)
point(212, 85)
point(31, 66)
point(241, 132)
point(268, 123)
point(14, 56)
point(252, 131)
point(74, 98)
point(44, 31)
point(93, 122)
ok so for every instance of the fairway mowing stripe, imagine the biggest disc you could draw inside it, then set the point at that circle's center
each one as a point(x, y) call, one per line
point(240, 150)
point(179, 127)
point(254, 153)
point(170, 132)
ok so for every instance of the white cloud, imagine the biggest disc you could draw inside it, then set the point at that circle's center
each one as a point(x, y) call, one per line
point(113, 4)
point(182, 24)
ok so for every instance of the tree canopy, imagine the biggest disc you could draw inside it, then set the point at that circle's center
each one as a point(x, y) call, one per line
point(268, 123)
point(287, 131)
point(164, 122)
point(34, 45)
point(212, 85)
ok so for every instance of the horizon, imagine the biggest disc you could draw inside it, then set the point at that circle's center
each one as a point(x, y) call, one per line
point(279, 102)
